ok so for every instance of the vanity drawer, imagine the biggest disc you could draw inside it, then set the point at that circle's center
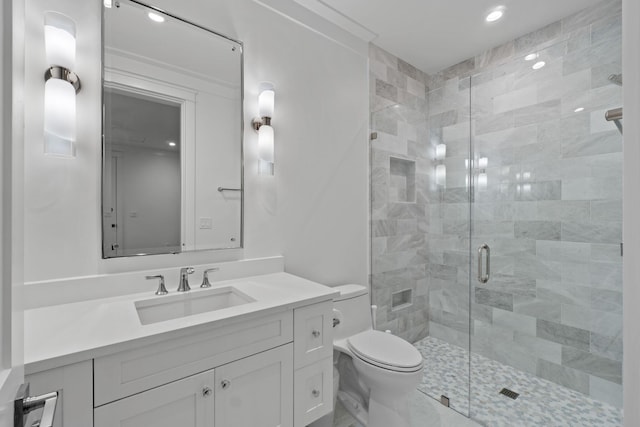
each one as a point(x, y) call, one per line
point(313, 333)
point(129, 372)
point(313, 391)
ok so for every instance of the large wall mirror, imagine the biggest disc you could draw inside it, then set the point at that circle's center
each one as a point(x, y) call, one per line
point(172, 134)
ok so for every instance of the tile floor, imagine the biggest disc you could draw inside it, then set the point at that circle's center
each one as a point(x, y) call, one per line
point(425, 412)
point(541, 402)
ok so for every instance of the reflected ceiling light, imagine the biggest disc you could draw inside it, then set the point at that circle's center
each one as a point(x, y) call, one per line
point(531, 57)
point(495, 14)
point(171, 143)
point(155, 17)
point(441, 151)
point(539, 65)
point(579, 109)
point(61, 85)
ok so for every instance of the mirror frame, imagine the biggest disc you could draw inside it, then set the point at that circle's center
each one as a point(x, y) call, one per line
point(103, 141)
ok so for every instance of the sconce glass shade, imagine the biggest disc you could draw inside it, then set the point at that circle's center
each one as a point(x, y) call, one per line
point(483, 162)
point(265, 143)
point(60, 94)
point(60, 40)
point(266, 99)
point(59, 118)
point(482, 181)
point(441, 174)
point(441, 151)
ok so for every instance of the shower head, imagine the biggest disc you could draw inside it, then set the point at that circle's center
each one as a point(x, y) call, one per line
point(616, 78)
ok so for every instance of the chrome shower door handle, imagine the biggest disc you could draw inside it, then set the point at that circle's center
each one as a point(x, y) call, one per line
point(484, 278)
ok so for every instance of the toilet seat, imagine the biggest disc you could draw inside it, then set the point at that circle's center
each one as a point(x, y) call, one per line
point(385, 351)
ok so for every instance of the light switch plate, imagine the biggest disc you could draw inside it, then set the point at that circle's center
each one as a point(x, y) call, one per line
point(206, 223)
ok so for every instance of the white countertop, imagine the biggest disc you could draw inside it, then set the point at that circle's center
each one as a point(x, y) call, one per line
point(68, 333)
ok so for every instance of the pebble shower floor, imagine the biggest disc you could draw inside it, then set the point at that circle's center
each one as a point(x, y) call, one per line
point(541, 402)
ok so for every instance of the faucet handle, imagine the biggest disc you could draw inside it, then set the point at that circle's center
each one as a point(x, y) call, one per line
point(161, 289)
point(184, 279)
point(205, 278)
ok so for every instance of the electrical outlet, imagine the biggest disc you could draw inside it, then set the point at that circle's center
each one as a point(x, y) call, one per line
point(206, 223)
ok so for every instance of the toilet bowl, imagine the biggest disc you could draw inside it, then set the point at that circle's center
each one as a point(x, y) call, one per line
point(385, 368)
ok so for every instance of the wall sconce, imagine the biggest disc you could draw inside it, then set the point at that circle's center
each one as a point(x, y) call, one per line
point(266, 101)
point(483, 162)
point(441, 151)
point(61, 85)
point(441, 175)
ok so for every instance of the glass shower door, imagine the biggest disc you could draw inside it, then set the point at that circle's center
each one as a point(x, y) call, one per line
point(420, 230)
point(545, 283)
point(446, 349)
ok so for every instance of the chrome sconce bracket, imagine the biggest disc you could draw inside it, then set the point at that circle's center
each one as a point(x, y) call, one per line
point(62, 73)
point(257, 122)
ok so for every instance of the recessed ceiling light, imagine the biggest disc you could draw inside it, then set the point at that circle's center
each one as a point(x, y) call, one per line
point(495, 14)
point(531, 57)
point(539, 65)
point(171, 143)
point(579, 109)
point(155, 17)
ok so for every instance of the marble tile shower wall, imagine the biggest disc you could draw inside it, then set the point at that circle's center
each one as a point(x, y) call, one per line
point(551, 211)
point(400, 167)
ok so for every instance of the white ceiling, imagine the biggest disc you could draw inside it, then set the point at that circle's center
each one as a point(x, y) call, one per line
point(435, 34)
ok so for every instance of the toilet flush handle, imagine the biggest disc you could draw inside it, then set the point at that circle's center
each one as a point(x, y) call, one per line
point(337, 317)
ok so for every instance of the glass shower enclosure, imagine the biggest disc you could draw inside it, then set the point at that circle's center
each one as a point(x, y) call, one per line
point(496, 208)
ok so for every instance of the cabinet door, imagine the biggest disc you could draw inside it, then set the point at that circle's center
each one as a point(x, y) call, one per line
point(313, 333)
point(75, 400)
point(256, 391)
point(184, 403)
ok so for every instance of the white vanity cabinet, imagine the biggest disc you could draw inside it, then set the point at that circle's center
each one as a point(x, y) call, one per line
point(259, 369)
point(313, 359)
point(254, 391)
point(185, 403)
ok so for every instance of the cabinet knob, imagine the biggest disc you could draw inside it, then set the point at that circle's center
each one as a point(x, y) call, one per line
point(315, 333)
point(206, 392)
point(315, 393)
point(225, 384)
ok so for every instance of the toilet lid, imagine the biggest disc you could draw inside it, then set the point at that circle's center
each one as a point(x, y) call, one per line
point(385, 350)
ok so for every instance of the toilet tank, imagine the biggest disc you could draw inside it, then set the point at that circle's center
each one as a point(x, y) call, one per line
point(353, 309)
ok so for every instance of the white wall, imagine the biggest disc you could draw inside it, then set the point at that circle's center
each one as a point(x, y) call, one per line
point(313, 211)
point(631, 213)
point(5, 153)
point(11, 204)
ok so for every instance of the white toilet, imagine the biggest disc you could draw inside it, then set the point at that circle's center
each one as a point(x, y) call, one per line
point(378, 371)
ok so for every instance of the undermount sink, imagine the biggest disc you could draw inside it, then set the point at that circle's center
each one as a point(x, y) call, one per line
point(171, 307)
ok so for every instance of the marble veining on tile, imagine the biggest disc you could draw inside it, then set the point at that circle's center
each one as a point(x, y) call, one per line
point(550, 210)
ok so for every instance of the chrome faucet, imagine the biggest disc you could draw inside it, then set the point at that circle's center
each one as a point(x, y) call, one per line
point(184, 279)
point(205, 277)
point(161, 289)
